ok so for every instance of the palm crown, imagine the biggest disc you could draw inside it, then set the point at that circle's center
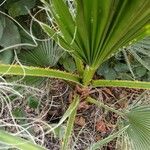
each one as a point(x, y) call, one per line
point(99, 28)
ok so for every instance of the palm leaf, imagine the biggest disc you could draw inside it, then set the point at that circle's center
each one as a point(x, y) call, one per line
point(96, 32)
point(46, 54)
point(139, 128)
point(141, 48)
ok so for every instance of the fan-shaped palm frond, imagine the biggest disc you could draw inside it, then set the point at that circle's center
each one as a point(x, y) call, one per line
point(46, 54)
point(138, 132)
point(141, 52)
point(99, 28)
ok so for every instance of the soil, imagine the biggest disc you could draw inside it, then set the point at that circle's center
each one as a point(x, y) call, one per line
point(91, 123)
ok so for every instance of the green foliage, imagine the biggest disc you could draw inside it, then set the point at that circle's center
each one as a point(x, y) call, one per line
point(140, 52)
point(20, 7)
point(1, 29)
point(68, 63)
point(133, 63)
point(46, 54)
point(18, 112)
point(118, 69)
point(6, 57)
point(139, 128)
point(33, 102)
point(10, 34)
point(140, 71)
point(106, 35)
point(107, 71)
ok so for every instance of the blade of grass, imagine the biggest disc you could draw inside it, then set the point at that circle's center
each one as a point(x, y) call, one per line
point(69, 128)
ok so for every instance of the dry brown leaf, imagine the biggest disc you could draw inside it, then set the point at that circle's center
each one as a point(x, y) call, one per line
point(98, 137)
point(83, 105)
point(108, 91)
point(80, 121)
point(101, 126)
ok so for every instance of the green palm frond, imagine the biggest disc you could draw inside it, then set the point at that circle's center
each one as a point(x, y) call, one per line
point(99, 28)
point(46, 54)
point(138, 131)
point(141, 52)
point(142, 46)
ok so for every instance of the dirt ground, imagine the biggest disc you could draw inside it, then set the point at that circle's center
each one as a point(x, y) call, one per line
point(91, 124)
